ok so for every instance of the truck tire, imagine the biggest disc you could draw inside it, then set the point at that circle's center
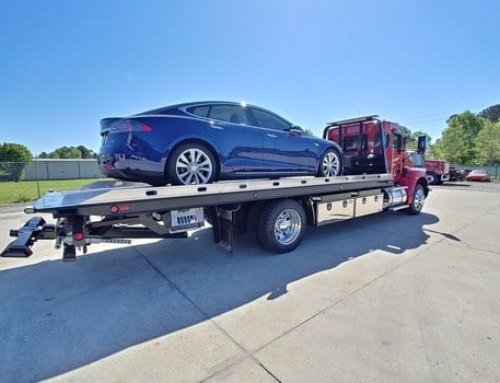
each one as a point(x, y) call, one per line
point(432, 178)
point(282, 226)
point(417, 201)
point(252, 219)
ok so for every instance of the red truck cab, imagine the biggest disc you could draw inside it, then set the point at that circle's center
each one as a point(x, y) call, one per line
point(375, 146)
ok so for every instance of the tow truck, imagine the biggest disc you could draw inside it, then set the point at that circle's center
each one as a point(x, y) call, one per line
point(438, 171)
point(378, 176)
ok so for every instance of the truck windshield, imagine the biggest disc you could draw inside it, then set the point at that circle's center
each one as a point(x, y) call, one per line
point(417, 159)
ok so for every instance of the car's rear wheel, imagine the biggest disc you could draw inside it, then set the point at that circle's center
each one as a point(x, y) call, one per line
point(330, 164)
point(191, 164)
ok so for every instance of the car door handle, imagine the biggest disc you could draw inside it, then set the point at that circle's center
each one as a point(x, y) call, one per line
point(272, 135)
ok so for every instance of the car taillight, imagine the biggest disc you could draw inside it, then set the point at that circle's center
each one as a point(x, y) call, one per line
point(130, 126)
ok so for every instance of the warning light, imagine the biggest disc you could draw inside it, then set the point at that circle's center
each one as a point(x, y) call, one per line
point(78, 236)
point(113, 209)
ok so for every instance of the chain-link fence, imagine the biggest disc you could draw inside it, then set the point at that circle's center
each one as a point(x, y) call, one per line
point(28, 181)
point(11, 171)
point(49, 169)
point(494, 170)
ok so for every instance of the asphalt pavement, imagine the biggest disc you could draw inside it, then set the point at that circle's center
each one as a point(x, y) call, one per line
point(384, 298)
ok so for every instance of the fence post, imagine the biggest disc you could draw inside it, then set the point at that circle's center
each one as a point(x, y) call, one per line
point(36, 177)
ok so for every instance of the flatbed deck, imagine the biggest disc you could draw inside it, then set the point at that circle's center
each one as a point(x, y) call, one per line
point(105, 199)
point(114, 212)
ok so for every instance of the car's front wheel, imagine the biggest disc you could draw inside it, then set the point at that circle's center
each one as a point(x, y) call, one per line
point(191, 164)
point(330, 164)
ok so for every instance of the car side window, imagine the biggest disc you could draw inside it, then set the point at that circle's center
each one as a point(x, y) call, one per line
point(201, 111)
point(270, 121)
point(228, 113)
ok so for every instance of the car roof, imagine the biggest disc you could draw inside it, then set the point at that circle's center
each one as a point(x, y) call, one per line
point(163, 109)
point(177, 107)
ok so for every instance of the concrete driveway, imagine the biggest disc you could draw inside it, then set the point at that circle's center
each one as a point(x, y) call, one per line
point(385, 298)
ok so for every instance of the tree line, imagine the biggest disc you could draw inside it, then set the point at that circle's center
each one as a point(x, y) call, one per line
point(470, 138)
point(15, 157)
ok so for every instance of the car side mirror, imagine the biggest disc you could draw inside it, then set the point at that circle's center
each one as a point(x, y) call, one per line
point(296, 130)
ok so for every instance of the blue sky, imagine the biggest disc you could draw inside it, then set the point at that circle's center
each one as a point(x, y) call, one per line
point(65, 64)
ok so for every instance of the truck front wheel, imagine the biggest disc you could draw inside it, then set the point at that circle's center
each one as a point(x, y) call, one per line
point(432, 178)
point(417, 201)
point(282, 226)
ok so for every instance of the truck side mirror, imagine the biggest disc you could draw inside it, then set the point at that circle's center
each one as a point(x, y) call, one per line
point(422, 144)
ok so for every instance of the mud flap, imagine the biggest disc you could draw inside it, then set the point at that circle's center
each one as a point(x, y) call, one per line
point(222, 227)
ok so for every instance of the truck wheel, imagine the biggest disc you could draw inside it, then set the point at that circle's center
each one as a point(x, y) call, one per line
point(418, 200)
point(252, 219)
point(330, 164)
point(282, 226)
point(432, 178)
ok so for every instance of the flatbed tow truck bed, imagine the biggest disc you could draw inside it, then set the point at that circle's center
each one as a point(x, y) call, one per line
point(106, 213)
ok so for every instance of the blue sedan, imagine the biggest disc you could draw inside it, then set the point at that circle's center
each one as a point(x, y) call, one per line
point(203, 142)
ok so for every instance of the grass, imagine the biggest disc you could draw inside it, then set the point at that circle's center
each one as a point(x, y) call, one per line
point(26, 191)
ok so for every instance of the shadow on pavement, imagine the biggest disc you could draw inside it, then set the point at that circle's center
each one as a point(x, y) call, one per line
point(57, 317)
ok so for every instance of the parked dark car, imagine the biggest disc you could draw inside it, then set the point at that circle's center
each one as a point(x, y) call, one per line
point(457, 174)
point(478, 175)
point(202, 142)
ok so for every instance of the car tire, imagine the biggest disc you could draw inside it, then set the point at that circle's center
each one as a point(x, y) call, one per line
point(330, 164)
point(191, 164)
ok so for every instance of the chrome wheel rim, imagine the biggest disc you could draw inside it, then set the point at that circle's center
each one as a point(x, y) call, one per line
point(287, 227)
point(331, 164)
point(193, 166)
point(419, 199)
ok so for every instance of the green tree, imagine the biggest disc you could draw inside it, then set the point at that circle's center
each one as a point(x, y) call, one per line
point(86, 153)
point(435, 151)
point(308, 132)
point(13, 159)
point(458, 143)
point(488, 143)
point(491, 113)
point(66, 152)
